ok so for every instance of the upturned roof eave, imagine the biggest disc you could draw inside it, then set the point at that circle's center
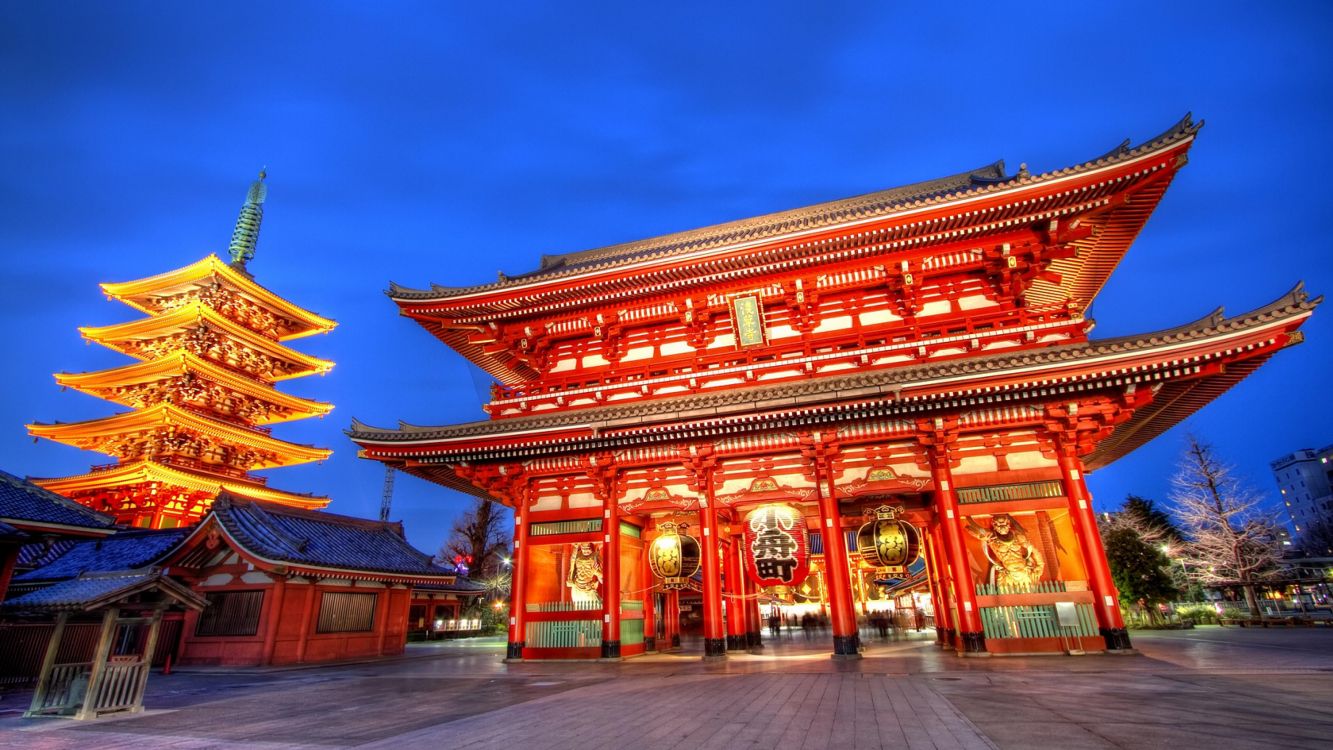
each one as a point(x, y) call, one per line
point(183, 362)
point(628, 254)
point(194, 312)
point(212, 265)
point(1291, 306)
point(169, 414)
point(145, 470)
point(216, 518)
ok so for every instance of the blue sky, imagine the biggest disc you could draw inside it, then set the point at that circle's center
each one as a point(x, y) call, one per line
point(442, 142)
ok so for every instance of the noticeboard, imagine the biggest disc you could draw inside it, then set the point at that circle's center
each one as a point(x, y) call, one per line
point(1066, 614)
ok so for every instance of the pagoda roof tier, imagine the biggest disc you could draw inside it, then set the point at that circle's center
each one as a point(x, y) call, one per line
point(143, 384)
point(1186, 367)
point(107, 434)
point(127, 337)
point(1112, 195)
point(167, 291)
point(120, 476)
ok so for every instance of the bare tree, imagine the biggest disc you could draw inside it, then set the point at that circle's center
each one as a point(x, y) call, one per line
point(1231, 540)
point(480, 537)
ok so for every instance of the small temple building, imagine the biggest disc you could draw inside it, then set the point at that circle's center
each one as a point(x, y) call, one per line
point(201, 395)
point(798, 407)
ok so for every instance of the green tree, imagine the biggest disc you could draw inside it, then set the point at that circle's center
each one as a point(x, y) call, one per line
point(1139, 569)
point(1144, 514)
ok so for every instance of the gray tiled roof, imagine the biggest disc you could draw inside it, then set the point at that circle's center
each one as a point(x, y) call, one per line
point(319, 539)
point(463, 585)
point(93, 590)
point(124, 551)
point(76, 592)
point(21, 500)
point(43, 552)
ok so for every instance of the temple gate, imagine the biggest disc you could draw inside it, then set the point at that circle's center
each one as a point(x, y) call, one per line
point(771, 388)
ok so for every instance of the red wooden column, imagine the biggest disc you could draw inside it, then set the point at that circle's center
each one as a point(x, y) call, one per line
point(846, 640)
point(939, 587)
point(671, 613)
point(736, 632)
point(382, 618)
point(971, 635)
point(1109, 620)
point(518, 581)
point(649, 603)
point(715, 645)
point(611, 577)
point(754, 623)
point(276, 597)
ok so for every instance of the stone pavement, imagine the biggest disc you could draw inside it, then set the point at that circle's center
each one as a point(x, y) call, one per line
point(1220, 688)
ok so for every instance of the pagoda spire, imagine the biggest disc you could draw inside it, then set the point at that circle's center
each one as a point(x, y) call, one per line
point(246, 235)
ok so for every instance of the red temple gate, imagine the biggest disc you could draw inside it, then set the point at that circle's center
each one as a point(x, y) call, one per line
point(923, 347)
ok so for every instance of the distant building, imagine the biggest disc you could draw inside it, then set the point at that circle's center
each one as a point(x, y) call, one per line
point(1305, 479)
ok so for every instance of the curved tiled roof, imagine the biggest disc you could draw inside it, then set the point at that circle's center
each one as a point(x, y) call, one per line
point(127, 550)
point(885, 380)
point(22, 501)
point(321, 540)
point(968, 184)
point(93, 590)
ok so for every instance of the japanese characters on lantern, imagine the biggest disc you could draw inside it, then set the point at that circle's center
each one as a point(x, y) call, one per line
point(674, 557)
point(887, 542)
point(776, 549)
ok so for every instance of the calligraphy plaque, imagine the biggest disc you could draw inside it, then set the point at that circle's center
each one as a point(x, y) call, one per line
point(748, 320)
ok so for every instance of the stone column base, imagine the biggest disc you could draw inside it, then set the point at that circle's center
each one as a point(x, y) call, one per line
point(737, 643)
point(846, 647)
point(715, 648)
point(515, 650)
point(610, 649)
point(649, 644)
point(1117, 639)
point(972, 643)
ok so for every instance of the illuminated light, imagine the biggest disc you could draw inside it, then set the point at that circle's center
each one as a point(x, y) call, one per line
point(777, 551)
point(674, 557)
point(887, 542)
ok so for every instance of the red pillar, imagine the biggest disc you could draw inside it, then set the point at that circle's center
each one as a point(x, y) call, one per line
point(382, 618)
point(275, 599)
point(649, 604)
point(736, 638)
point(715, 645)
point(611, 578)
point(1109, 620)
point(754, 623)
point(971, 635)
point(939, 587)
point(518, 582)
point(842, 607)
point(307, 614)
point(671, 613)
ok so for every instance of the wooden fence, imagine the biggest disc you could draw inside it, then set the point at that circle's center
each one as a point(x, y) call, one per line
point(22, 646)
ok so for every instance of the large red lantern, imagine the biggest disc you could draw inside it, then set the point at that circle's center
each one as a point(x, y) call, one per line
point(777, 552)
point(887, 542)
point(673, 556)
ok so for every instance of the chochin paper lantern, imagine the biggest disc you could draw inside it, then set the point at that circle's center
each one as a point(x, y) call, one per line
point(674, 557)
point(887, 542)
point(776, 550)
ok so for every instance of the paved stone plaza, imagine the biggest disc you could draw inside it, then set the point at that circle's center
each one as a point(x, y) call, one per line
point(1211, 687)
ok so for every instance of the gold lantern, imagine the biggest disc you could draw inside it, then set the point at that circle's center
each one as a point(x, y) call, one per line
point(887, 542)
point(673, 556)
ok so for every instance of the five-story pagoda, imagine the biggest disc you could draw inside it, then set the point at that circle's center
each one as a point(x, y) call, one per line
point(202, 393)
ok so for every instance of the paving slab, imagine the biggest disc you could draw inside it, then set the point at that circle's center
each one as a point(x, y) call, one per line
point(1211, 687)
